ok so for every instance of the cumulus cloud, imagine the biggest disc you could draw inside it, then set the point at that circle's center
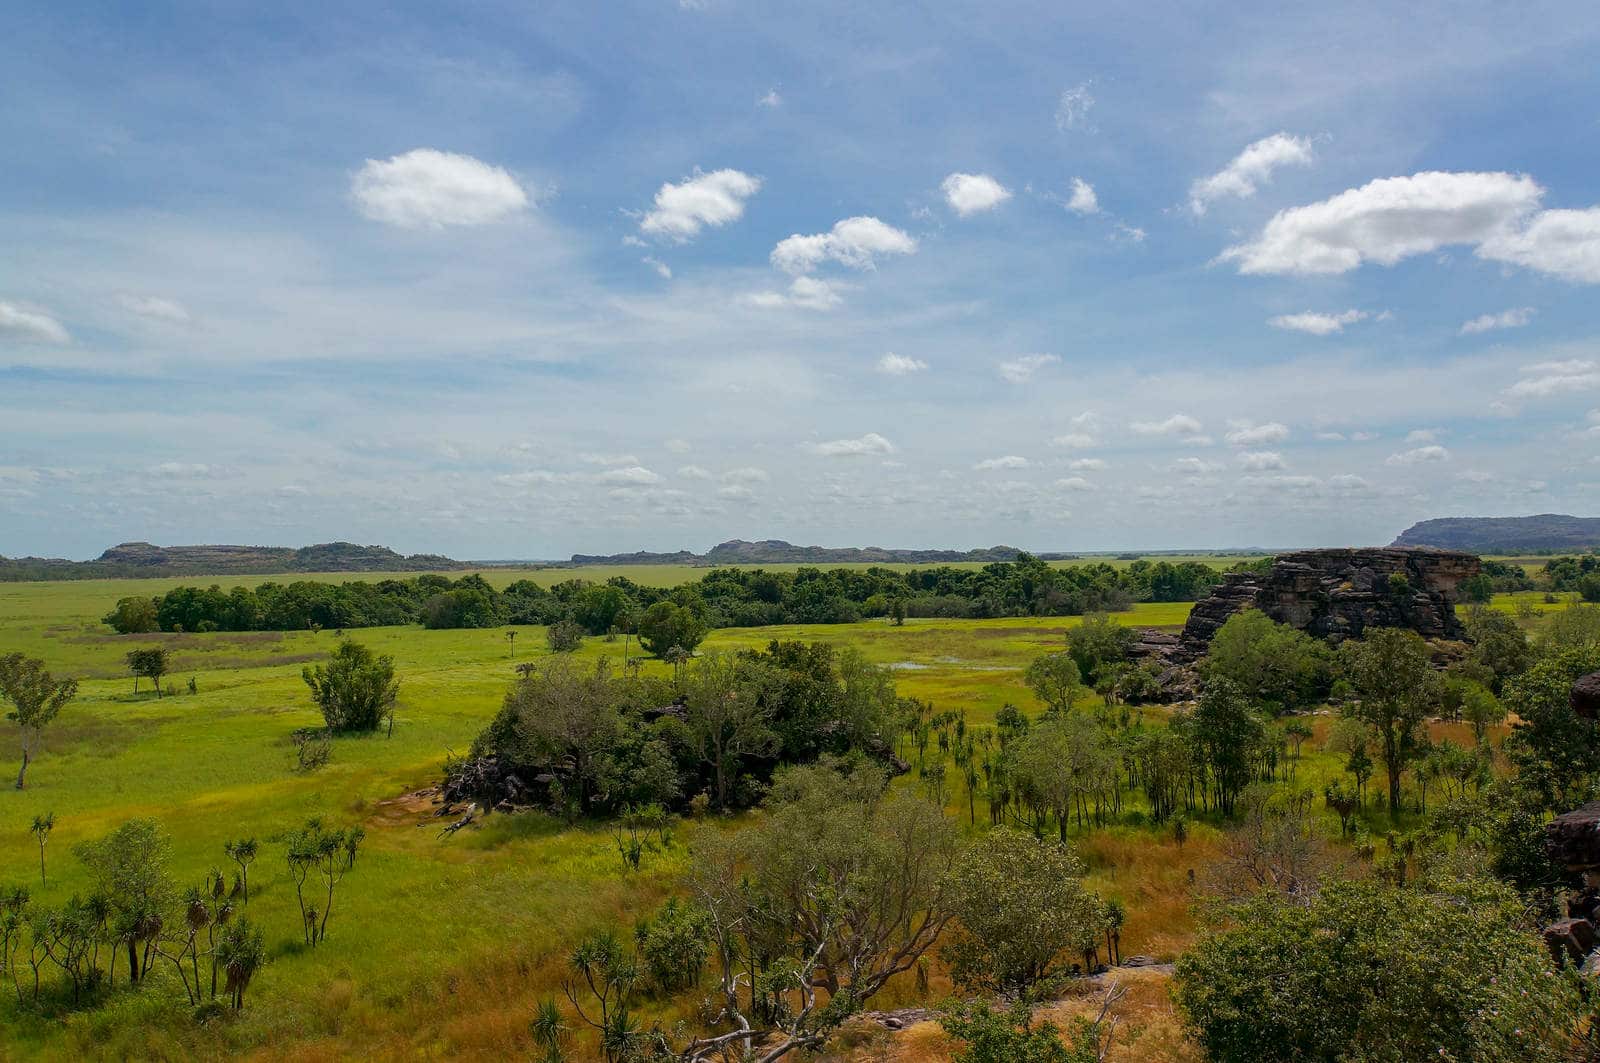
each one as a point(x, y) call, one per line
point(870, 444)
point(678, 446)
point(1261, 460)
point(1073, 107)
point(736, 492)
point(1009, 461)
point(1195, 467)
point(1074, 440)
point(1556, 378)
point(1562, 243)
point(706, 199)
point(1250, 169)
point(1075, 483)
point(1394, 218)
point(900, 364)
point(1317, 324)
point(19, 324)
point(1423, 435)
point(1021, 370)
point(1179, 424)
point(854, 242)
point(972, 193)
point(663, 270)
point(747, 474)
point(429, 189)
point(1516, 318)
point(806, 293)
point(608, 459)
point(694, 472)
point(1083, 200)
point(1419, 456)
point(632, 474)
point(1086, 464)
point(772, 99)
point(1248, 434)
point(155, 308)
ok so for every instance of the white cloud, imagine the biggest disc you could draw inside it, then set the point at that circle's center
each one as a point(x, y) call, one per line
point(706, 199)
point(970, 193)
point(1348, 482)
point(1390, 219)
point(1075, 483)
point(677, 446)
point(1423, 435)
point(633, 474)
point(608, 459)
point(1131, 233)
point(1009, 461)
point(1083, 200)
point(1261, 460)
point(1419, 456)
point(182, 470)
point(747, 474)
point(1316, 323)
point(1250, 169)
point(1562, 243)
point(1021, 370)
point(1179, 424)
point(854, 242)
point(1246, 434)
point(1074, 440)
point(806, 293)
point(1556, 378)
point(1516, 318)
point(17, 323)
point(1072, 109)
point(694, 472)
point(737, 492)
point(663, 270)
point(1195, 467)
point(771, 99)
point(1086, 464)
point(870, 444)
point(155, 308)
point(428, 189)
point(900, 364)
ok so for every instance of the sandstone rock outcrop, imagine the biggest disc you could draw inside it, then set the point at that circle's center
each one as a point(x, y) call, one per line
point(1338, 593)
point(1586, 696)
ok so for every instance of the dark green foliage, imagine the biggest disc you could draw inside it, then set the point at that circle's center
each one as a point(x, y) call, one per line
point(35, 697)
point(674, 945)
point(666, 625)
point(1226, 730)
point(134, 616)
point(464, 607)
point(1555, 752)
point(564, 636)
point(321, 857)
point(356, 689)
point(149, 663)
point(1369, 971)
point(1396, 688)
point(990, 1035)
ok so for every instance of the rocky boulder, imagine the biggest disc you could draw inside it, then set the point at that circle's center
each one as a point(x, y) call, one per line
point(1586, 696)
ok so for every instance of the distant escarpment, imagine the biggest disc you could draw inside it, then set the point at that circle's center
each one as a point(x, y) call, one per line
point(145, 559)
point(1541, 534)
point(778, 552)
point(1337, 594)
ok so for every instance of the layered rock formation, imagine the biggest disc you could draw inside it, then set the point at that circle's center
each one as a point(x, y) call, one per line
point(1572, 841)
point(1336, 594)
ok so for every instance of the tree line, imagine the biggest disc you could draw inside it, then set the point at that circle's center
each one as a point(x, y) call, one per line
point(725, 597)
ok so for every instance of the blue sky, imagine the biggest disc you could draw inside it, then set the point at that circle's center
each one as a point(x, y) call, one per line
point(510, 280)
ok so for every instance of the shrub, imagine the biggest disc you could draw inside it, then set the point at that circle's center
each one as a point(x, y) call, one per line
point(564, 636)
point(674, 945)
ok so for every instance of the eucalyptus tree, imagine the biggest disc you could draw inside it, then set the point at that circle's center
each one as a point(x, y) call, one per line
point(36, 698)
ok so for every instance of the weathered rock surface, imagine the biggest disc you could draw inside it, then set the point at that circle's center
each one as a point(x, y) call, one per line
point(1586, 696)
point(1338, 593)
point(1572, 839)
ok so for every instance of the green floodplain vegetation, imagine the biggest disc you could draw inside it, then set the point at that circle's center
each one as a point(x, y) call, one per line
point(429, 932)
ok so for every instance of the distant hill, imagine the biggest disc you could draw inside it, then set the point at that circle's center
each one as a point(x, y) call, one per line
point(1541, 534)
point(145, 559)
point(778, 552)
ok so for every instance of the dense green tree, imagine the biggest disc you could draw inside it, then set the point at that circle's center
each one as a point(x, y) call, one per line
point(564, 636)
point(1097, 643)
point(562, 711)
point(1227, 731)
point(728, 716)
point(36, 699)
point(1055, 680)
point(1556, 752)
point(665, 625)
point(1361, 973)
point(1397, 687)
point(129, 870)
point(134, 616)
point(1499, 644)
point(356, 690)
point(991, 1035)
point(1023, 915)
point(1273, 664)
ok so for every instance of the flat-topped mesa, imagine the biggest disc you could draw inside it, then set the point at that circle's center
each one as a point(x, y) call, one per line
point(1336, 594)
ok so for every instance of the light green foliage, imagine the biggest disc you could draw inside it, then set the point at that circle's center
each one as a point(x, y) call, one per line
point(1098, 643)
point(1368, 971)
point(1273, 664)
point(1397, 688)
point(36, 697)
point(1575, 628)
point(129, 870)
point(990, 1035)
point(150, 663)
point(356, 690)
point(1023, 915)
point(1499, 644)
point(1055, 680)
point(674, 945)
point(320, 857)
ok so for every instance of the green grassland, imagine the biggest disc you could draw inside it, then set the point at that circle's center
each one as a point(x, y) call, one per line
point(436, 946)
